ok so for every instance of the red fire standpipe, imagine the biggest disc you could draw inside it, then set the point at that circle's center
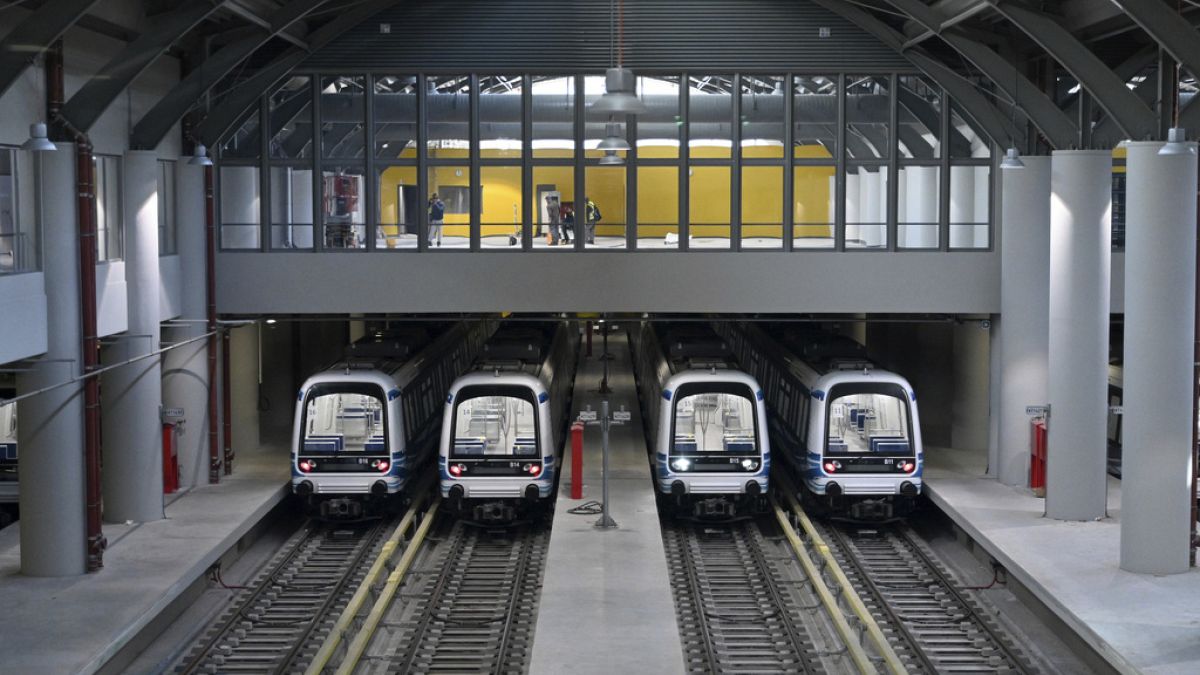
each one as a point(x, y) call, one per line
point(170, 459)
point(226, 403)
point(1195, 391)
point(210, 248)
point(577, 460)
point(85, 177)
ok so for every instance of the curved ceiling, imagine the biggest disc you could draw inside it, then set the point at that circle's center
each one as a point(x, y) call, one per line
point(1073, 73)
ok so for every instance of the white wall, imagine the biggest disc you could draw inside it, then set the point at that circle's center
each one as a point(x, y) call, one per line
point(112, 300)
point(22, 316)
point(170, 280)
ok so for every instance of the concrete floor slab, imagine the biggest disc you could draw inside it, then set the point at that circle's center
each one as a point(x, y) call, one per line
point(77, 624)
point(606, 604)
point(1138, 623)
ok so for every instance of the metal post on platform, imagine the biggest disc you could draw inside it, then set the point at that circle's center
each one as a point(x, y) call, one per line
point(605, 519)
point(605, 357)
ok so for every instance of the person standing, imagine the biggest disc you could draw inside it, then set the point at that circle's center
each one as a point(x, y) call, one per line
point(591, 217)
point(437, 212)
point(568, 223)
point(552, 219)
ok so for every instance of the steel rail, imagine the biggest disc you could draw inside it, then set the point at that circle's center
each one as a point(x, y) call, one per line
point(880, 642)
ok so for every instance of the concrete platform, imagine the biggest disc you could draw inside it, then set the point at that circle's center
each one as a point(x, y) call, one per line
point(606, 604)
point(1137, 623)
point(77, 624)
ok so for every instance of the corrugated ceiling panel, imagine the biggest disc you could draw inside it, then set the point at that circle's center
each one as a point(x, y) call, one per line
point(553, 36)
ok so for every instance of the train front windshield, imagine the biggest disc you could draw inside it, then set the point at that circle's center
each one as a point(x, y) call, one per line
point(344, 419)
point(872, 419)
point(495, 422)
point(716, 423)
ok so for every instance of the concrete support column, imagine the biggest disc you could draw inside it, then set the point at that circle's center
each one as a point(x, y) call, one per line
point(132, 394)
point(853, 213)
point(869, 190)
point(1024, 331)
point(185, 370)
point(50, 433)
point(1080, 254)
point(901, 205)
point(1160, 290)
point(962, 206)
point(970, 412)
point(302, 208)
point(239, 206)
point(921, 207)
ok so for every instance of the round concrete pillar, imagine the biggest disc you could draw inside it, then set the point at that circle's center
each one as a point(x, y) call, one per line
point(1080, 254)
point(239, 206)
point(962, 206)
point(853, 213)
point(132, 394)
point(50, 434)
point(921, 207)
point(870, 185)
point(1024, 331)
point(185, 369)
point(1160, 290)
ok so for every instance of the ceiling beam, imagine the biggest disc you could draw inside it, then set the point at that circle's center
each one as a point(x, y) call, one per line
point(1041, 110)
point(97, 94)
point(232, 106)
point(28, 39)
point(154, 125)
point(933, 19)
point(999, 129)
point(1134, 118)
point(1171, 30)
point(253, 17)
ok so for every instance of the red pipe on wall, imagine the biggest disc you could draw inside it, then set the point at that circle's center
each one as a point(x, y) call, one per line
point(210, 249)
point(85, 203)
point(227, 404)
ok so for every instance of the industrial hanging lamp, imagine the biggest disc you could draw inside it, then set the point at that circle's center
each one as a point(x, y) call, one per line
point(614, 139)
point(611, 158)
point(201, 157)
point(38, 139)
point(1012, 158)
point(620, 89)
point(1177, 143)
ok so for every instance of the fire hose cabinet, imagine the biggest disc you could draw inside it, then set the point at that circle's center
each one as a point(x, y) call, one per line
point(172, 425)
point(1037, 459)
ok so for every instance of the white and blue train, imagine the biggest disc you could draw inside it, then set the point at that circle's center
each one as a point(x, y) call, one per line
point(705, 420)
point(505, 422)
point(368, 424)
point(847, 429)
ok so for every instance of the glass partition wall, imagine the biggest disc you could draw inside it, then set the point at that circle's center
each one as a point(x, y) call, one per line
point(511, 161)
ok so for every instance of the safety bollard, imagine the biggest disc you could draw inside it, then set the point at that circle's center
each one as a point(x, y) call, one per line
point(577, 460)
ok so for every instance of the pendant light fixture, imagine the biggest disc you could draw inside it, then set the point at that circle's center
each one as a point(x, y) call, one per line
point(620, 97)
point(1012, 158)
point(1177, 143)
point(201, 157)
point(38, 140)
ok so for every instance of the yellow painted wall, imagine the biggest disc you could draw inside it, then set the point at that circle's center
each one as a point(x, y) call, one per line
point(658, 193)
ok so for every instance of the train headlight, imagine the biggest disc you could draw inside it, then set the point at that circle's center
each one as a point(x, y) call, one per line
point(381, 465)
point(749, 464)
point(832, 466)
point(307, 465)
point(681, 464)
point(906, 467)
point(456, 470)
point(533, 469)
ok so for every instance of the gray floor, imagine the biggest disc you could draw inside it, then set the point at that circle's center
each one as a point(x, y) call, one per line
point(75, 624)
point(1138, 623)
point(606, 603)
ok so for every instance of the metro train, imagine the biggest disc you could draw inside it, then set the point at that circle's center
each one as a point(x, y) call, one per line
point(504, 423)
point(705, 420)
point(850, 431)
point(366, 426)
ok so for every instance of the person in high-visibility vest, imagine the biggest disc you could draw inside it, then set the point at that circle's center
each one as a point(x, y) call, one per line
point(591, 217)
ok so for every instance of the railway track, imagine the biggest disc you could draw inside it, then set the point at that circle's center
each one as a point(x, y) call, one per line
point(270, 622)
point(734, 611)
point(937, 626)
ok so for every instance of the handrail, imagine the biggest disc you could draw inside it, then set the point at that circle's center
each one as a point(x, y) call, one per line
point(352, 609)
point(878, 639)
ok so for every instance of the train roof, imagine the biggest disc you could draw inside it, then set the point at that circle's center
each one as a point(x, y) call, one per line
point(518, 347)
point(694, 346)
